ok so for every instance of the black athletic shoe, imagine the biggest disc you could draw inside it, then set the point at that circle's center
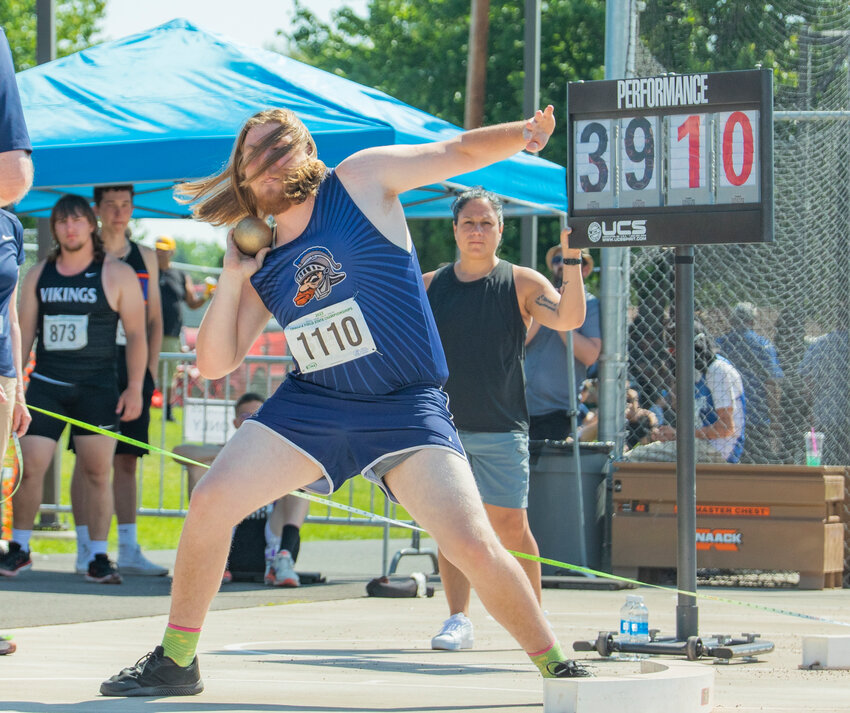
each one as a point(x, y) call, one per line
point(102, 571)
point(15, 561)
point(155, 675)
point(567, 669)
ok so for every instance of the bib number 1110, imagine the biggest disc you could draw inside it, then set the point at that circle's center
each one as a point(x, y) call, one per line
point(345, 335)
point(329, 337)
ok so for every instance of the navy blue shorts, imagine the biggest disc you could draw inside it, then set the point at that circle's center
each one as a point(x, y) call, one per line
point(347, 434)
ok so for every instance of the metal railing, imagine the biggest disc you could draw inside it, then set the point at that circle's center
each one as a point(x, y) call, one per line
point(207, 411)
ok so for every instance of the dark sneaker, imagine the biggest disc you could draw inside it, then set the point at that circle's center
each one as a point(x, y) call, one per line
point(567, 669)
point(6, 646)
point(15, 561)
point(102, 571)
point(155, 675)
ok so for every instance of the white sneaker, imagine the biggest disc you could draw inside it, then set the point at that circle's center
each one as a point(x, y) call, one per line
point(84, 556)
point(281, 572)
point(136, 563)
point(456, 634)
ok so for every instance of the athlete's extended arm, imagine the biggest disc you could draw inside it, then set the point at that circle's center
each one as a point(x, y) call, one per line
point(396, 169)
point(235, 318)
point(561, 309)
point(124, 293)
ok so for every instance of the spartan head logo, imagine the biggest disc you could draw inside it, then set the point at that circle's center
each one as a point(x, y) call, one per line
point(317, 272)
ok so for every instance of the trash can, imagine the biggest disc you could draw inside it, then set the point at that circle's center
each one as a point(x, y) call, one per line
point(553, 501)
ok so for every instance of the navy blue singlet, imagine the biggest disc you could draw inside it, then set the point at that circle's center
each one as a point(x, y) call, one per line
point(342, 258)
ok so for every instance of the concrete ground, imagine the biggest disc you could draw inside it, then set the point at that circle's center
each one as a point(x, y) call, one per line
point(329, 647)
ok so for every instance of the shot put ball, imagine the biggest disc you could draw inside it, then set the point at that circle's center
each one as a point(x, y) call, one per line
point(252, 235)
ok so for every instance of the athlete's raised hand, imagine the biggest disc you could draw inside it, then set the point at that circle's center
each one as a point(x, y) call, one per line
point(539, 128)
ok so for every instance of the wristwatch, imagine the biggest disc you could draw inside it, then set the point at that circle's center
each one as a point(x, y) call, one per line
point(572, 261)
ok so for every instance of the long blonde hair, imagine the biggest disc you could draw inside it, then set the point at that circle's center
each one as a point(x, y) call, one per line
point(224, 198)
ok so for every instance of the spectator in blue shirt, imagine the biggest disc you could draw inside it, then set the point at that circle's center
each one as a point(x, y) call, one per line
point(720, 412)
point(15, 180)
point(825, 369)
point(546, 387)
point(15, 148)
point(754, 356)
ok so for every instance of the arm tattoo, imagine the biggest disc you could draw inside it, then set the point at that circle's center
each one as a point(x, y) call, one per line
point(544, 301)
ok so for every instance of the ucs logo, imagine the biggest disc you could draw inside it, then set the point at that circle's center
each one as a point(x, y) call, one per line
point(616, 230)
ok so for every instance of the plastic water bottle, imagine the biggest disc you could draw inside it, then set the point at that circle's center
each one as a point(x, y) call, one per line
point(627, 618)
point(639, 621)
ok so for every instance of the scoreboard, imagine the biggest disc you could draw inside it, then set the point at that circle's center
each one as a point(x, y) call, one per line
point(679, 159)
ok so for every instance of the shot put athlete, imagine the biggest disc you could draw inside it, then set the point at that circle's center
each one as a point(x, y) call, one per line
point(366, 396)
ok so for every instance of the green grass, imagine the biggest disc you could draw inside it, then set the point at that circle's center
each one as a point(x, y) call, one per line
point(163, 532)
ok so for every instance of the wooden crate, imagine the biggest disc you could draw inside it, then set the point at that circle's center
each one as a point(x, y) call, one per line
point(768, 517)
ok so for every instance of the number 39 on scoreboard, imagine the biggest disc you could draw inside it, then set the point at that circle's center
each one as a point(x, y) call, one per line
point(649, 155)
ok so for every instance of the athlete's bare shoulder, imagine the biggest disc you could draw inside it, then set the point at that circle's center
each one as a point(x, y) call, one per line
point(380, 205)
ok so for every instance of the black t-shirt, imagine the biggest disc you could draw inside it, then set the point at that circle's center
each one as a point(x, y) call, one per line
point(483, 336)
point(172, 290)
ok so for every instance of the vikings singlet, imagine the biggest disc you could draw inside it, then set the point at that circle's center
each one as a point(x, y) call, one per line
point(76, 326)
point(352, 304)
point(135, 260)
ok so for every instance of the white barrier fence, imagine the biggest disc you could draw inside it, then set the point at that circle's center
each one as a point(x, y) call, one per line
point(206, 412)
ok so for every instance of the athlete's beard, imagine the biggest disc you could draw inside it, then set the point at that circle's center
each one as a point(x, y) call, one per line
point(294, 190)
point(273, 203)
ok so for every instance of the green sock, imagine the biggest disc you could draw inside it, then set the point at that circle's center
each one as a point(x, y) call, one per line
point(180, 644)
point(542, 659)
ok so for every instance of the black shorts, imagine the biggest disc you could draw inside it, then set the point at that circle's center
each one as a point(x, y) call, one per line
point(136, 429)
point(91, 403)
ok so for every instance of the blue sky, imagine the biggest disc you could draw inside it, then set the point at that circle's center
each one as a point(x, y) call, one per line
point(250, 21)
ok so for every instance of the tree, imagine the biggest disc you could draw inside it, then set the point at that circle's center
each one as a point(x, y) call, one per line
point(786, 36)
point(77, 23)
point(416, 51)
point(199, 252)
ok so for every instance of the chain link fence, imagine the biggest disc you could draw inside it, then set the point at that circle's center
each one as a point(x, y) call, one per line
point(778, 312)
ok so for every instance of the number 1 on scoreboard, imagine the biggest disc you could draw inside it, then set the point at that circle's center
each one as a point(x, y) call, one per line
point(688, 158)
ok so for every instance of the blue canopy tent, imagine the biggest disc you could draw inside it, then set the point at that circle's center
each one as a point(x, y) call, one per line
point(165, 105)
